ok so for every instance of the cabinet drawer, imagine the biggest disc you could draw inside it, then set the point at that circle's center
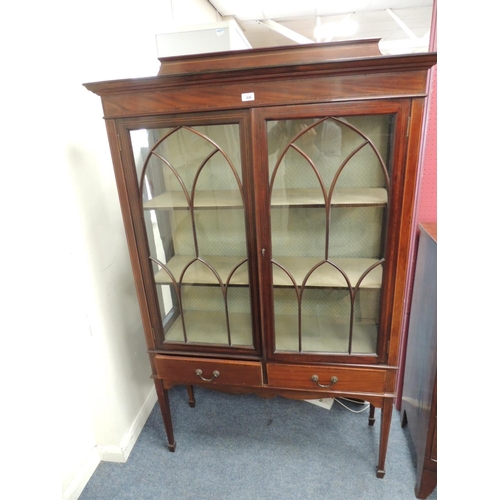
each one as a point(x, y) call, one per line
point(208, 371)
point(346, 379)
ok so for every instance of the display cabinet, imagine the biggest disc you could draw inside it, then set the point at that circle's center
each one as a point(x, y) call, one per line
point(267, 198)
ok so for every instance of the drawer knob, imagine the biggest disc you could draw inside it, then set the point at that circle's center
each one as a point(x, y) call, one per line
point(333, 380)
point(215, 374)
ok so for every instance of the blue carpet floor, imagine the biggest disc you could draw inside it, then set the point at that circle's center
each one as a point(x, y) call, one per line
point(246, 448)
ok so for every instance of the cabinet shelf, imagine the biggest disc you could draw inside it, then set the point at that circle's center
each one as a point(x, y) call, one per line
point(202, 199)
point(298, 267)
point(347, 197)
point(199, 274)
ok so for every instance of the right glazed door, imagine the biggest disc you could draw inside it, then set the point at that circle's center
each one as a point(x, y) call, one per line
point(329, 192)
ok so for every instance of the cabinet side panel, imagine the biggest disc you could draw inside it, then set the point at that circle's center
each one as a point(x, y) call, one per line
point(129, 228)
point(405, 225)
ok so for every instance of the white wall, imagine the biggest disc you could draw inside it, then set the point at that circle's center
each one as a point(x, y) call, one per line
point(74, 368)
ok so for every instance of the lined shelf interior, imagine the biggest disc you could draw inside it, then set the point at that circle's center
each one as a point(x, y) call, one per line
point(280, 197)
point(200, 274)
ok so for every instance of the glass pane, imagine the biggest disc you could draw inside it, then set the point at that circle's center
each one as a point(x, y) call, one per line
point(192, 194)
point(329, 179)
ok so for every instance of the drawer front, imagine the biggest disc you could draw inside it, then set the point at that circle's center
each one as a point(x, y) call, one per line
point(313, 377)
point(208, 371)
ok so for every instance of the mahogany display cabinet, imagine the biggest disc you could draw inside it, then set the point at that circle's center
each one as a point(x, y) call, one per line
point(267, 198)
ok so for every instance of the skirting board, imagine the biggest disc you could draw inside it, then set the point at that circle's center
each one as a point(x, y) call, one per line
point(122, 452)
point(81, 478)
point(111, 453)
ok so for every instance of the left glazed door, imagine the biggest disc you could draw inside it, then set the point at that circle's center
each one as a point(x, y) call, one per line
point(194, 203)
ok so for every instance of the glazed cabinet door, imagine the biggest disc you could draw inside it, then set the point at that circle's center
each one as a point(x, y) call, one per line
point(193, 213)
point(330, 181)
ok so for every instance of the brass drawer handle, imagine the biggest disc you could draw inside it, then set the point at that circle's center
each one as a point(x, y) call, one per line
point(215, 374)
point(333, 380)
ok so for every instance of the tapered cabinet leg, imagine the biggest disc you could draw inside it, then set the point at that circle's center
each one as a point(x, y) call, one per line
point(371, 417)
point(385, 426)
point(191, 399)
point(165, 412)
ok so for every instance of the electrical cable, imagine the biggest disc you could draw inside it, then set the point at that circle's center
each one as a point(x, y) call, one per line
point(352, 401)
point(355, 401)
